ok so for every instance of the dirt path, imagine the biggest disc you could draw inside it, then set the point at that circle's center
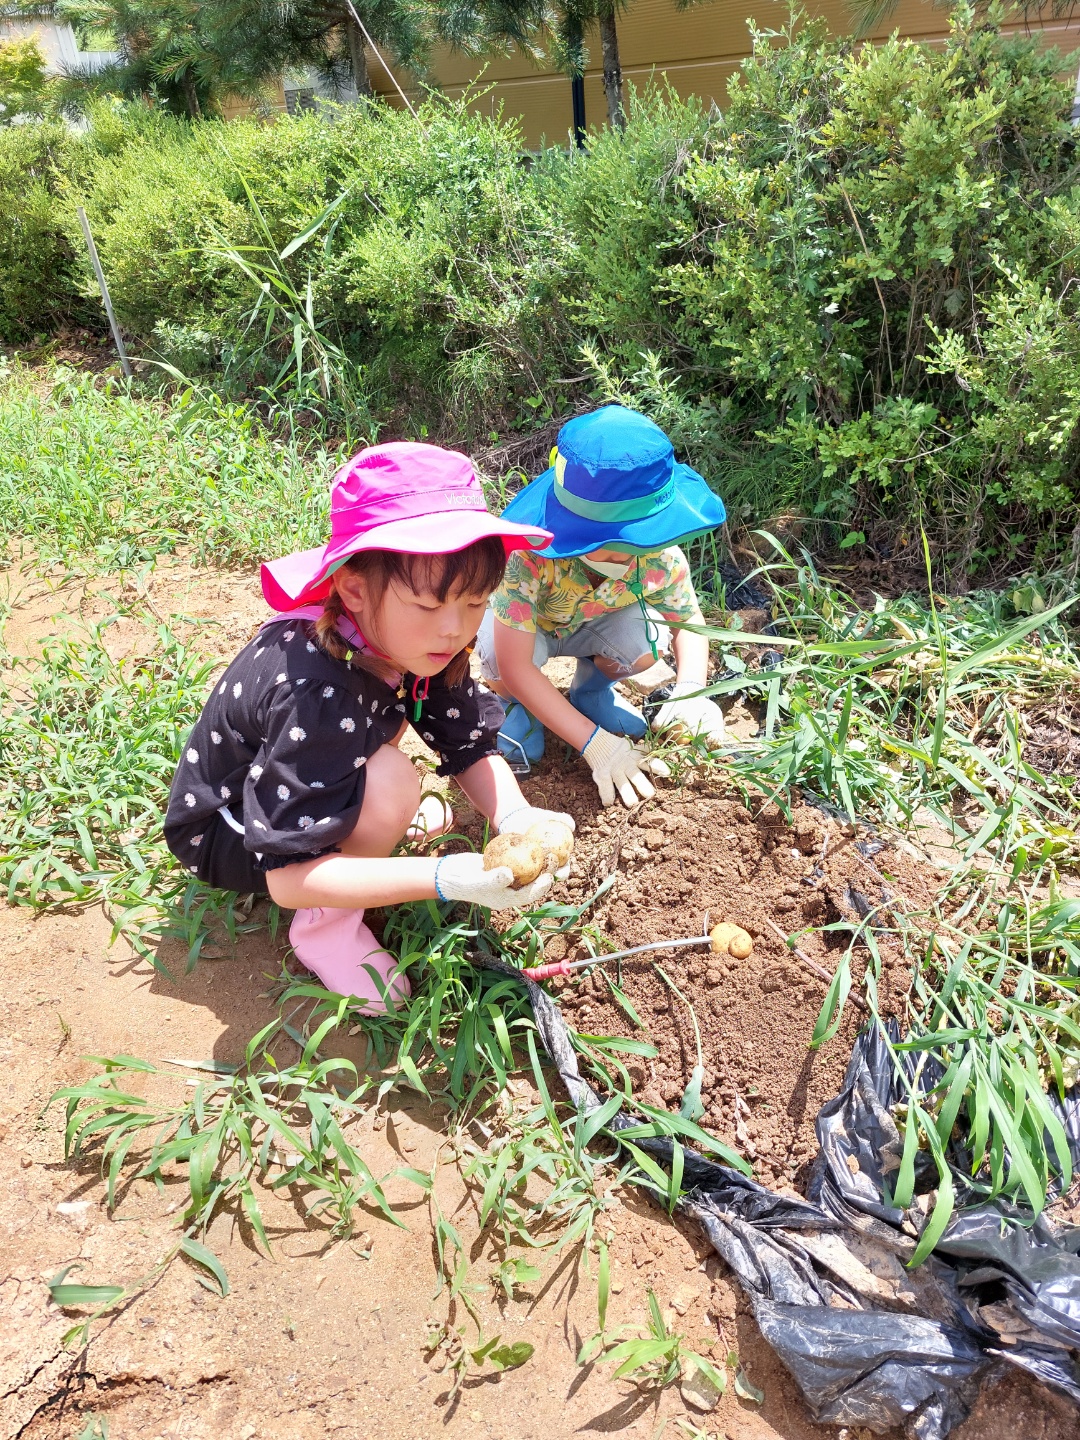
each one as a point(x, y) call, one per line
point(328, 1338)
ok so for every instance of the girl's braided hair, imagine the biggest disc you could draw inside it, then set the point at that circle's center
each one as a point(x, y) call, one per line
point(476, 570)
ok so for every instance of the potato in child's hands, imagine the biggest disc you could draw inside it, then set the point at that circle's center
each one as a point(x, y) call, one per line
point(728, 939)
point(555, 839)
point(522, 856)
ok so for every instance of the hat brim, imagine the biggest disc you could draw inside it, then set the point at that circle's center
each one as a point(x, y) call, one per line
point(304, 576)
point(693, 510)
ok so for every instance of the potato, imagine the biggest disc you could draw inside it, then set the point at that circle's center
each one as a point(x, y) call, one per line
point(523, 857)
point(554, 838)
point(741, 944)
point(728, 939)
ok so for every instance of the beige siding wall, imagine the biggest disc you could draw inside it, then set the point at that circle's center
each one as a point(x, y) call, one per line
point(696, 50)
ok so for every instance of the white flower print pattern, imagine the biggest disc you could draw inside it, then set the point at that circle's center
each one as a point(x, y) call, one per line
point(255, 771)
point(310, 647)
point(283, 792)
point(305, 822)
point(258, 825)
point(221, 688)
point(297, 733)
point(259, 651)
point(326, 820)
point(215, 736)
point(189, 800)
point(288, 634)
point(360, 760)
point(453, 713)
point(427, 735)
point(475, 734)
point(348, 724)
point(318, 785)
point(281, 678)
point(193, 756)
point(237, 690)
point(328, 690)
point(225, 792)
point(196, 841)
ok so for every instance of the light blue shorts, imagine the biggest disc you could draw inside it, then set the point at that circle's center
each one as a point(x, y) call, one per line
point(617, 635)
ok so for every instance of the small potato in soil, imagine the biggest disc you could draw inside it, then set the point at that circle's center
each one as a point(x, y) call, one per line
point(554, 838)
point(523, 857)
point(728, 939)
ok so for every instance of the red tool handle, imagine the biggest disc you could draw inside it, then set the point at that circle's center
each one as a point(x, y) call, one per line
point(545, 972)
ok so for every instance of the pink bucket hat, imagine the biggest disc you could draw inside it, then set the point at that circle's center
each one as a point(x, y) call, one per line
point(416, 499)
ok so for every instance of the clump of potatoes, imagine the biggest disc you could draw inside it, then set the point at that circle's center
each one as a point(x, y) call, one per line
point(544, 847)
point(728, 939)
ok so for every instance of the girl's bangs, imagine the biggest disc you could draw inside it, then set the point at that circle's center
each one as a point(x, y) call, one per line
point(475, 570)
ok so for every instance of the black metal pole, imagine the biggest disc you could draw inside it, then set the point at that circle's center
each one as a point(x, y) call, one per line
point(577, 100)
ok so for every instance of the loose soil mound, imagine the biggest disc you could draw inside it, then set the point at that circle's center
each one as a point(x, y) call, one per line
point(699, 850)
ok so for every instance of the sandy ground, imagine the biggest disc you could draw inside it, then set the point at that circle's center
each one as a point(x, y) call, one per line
point(324, 1338)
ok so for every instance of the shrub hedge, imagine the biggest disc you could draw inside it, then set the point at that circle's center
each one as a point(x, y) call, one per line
point(852, 294)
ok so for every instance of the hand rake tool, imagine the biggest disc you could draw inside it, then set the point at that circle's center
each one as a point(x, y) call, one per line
point(567, 967)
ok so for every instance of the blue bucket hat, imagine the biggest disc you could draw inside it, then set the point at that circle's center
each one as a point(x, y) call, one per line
point(614, 481)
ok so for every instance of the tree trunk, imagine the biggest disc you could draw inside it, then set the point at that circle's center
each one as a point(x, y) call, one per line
point(609, 41)
point(358, 58)
point(191, 96)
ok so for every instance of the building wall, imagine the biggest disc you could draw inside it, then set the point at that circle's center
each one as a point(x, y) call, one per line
point(58, 44)
point(696, 50)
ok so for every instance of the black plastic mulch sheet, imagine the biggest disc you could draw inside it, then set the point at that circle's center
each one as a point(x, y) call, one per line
point(868, 1341)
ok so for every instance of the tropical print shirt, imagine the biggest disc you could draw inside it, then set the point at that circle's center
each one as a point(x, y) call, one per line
point(560, 596)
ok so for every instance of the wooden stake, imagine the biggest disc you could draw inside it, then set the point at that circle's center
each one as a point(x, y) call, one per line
point(96, 263)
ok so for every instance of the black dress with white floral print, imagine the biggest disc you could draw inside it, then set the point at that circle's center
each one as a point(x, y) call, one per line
point(282, 743)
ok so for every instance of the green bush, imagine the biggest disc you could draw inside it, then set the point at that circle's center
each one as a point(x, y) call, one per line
point(39, 282)
point(852, 295)
point(879, 271)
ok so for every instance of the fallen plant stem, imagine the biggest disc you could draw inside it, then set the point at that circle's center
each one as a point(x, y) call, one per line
point(818, 970)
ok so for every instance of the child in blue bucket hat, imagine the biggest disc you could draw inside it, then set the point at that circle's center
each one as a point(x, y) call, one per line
point(616, 502)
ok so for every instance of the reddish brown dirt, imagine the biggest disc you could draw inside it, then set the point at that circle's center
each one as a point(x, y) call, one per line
point(703, 851)
point(326, 1339)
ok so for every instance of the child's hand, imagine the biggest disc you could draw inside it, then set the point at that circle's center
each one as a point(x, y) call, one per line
point(516, 822)
point(617, 765)
point(463, 877)
point(695, 713)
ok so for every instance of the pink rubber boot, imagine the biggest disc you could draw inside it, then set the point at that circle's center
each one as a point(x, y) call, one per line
point(337, 945)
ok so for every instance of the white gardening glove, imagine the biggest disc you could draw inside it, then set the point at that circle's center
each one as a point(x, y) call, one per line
point(463, 877)
point(698, 714)
point(618, 765)
point(516, 822)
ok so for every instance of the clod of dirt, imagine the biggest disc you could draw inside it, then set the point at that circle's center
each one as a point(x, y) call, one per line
point(698, 1391)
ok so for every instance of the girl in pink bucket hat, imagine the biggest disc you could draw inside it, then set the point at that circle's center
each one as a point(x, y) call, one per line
point(291, 783)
